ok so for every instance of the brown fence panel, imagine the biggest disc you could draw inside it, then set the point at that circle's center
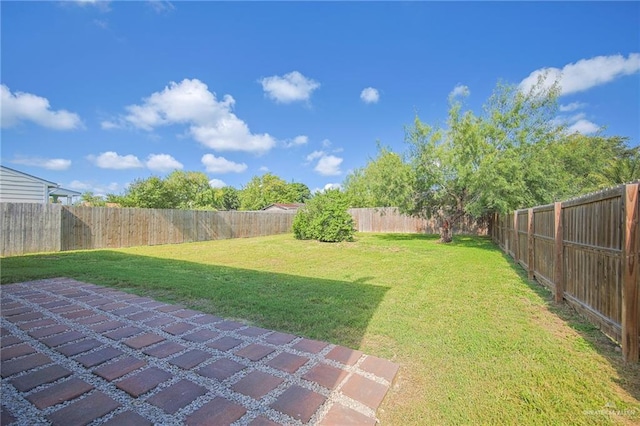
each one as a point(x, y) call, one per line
point(390, 220)
point(592, 263)
point(544, 245)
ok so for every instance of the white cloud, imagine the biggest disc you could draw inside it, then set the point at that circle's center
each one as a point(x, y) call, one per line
point(326, 143)
point(460, 90)
point(97, 189)
point(370, 95)
point(46, 163)
point(111, 160)
point(209, 120)
point(329, 165)
point(289, 88)
point(297, 141)
point(332, 186)
point(215, 164)
point(161, 6)
point(217, 183)
point(583, 126)
point(577, 123)
point(263, 169)
point(20, 106)
point(327, 187)
point(584, 74)
point(572, 106)
point(314, 155)
point(102, 5)
point(108, 125)
point(101, 23)
point(163, 163)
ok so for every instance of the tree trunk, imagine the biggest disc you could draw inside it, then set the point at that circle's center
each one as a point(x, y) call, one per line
point(445, 232)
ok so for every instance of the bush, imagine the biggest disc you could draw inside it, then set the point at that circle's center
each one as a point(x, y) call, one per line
point(325, 218)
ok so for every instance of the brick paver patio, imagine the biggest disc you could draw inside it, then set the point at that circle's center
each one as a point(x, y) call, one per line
point(74, 353)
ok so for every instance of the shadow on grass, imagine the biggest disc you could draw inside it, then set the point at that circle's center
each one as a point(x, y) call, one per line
point(335, 311)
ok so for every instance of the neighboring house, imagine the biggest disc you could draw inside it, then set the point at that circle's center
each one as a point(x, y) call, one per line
point(278, 207)
point(19, 187)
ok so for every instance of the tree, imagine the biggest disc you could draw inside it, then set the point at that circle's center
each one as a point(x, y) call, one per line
point(89, 199)
point(228, 198)
point(298, 192)
point(325, 218)
point(622, 169)
point(191, 190)
point(482, 164)
point(152, 193)
point(261, 191)
point(385, 181)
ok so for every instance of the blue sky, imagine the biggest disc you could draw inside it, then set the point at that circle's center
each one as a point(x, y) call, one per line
point(97, 94)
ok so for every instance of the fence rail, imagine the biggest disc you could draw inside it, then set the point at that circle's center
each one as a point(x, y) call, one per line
point(35, 228)
point(32, 228)
point(390, 220)
point(585, 251)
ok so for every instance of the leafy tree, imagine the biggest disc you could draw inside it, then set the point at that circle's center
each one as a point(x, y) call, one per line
point(228, 199)
point(481, 164)
point(298, 192)
point(191, 190)
point(622, 169)
point(385, 181)
point(88, 198)
point(325, 218)
point(268, 189)
point(151, 193)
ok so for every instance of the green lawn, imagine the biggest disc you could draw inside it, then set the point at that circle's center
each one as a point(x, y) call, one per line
point(477, 343)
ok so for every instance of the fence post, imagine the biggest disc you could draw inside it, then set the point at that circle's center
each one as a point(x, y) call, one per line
point(630, 276)
point(530, 253)
point(558, 272)
point(516, 237)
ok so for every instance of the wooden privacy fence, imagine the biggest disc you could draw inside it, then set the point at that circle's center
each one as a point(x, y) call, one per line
point(31, 228)
point(389, 219)
point(586, 251)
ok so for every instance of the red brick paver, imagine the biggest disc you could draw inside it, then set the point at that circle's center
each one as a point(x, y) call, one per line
point(257, 384)
point(221, 369)
point(177, 396)
point(144, 381)
point(218, 411)
point(60, 392)
point(84, 411)
point(254, 352)
point(364, 390)
point(77, 353)
point(299, 403)
point(341, 415)
point(46, 375)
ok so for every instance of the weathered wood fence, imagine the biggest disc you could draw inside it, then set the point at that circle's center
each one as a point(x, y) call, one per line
point(36, 228)
point(389, 219)
point(586, 251)
point(32, 228)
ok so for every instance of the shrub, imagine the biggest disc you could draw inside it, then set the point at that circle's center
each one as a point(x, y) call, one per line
point(325, 218)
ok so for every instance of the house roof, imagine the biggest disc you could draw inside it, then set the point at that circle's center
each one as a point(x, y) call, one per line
point(64, 192)
point(285, 206)
point(47, 182)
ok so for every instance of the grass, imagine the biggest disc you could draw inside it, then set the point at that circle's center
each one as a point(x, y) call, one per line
point(477, 342)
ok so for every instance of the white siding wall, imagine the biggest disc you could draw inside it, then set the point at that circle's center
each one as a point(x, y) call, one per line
point(17, 188)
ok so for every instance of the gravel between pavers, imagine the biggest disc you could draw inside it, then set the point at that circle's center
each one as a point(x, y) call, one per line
point(102, 301)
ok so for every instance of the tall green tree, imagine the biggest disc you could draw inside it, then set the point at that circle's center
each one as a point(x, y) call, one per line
point(386, 181)
point(152, 193)
point(228, 198)
point(191, 190)
point(481, 164)
point(261, 191)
